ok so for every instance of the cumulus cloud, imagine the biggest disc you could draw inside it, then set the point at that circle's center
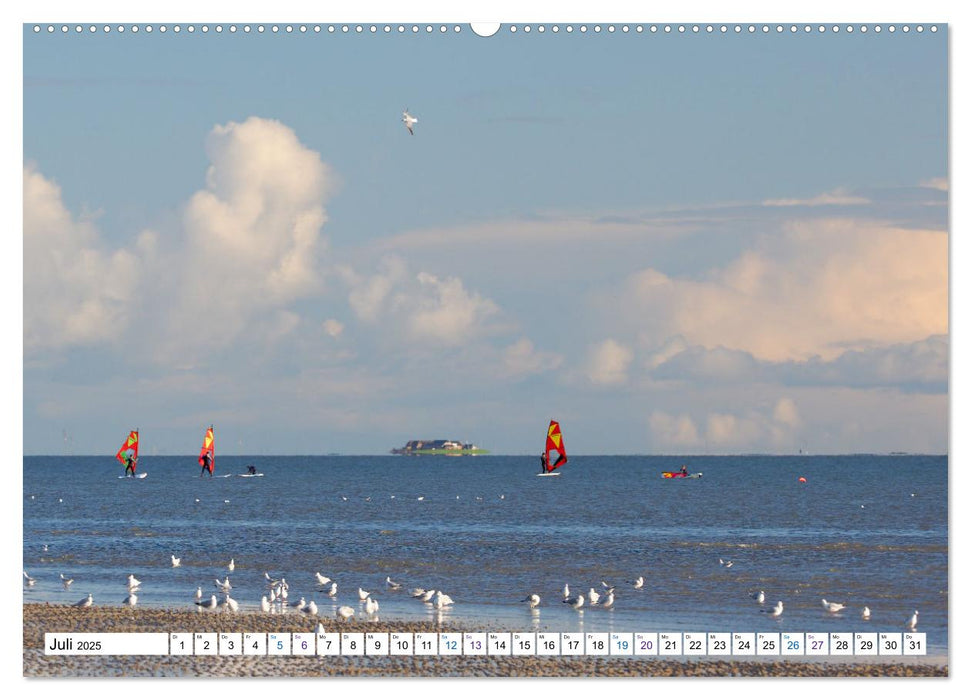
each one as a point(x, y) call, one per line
point(609, 363)
point(669, 431)
point(443, 311)
point(921, 366)
point(333, 327)
point(252, 234)
point(823, 287)
point(522, 359)
point(76, 290)
point(420, 308)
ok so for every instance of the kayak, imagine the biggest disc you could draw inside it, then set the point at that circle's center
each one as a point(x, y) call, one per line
point(679, 475)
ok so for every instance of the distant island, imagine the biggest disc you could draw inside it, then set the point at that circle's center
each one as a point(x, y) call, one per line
point(438, 447)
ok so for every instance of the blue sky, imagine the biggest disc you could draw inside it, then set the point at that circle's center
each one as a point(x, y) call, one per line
point(672, 243)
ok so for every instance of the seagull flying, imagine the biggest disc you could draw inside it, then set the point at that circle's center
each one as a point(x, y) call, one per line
point(442, 600)
point(176, 561)
point(639, 582)
point(370, 606)
point(28, 580)
point(409, 121)
point(133, 582)
point(66, 581)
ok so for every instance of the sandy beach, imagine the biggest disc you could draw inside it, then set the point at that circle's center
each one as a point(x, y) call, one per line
point(41, 618)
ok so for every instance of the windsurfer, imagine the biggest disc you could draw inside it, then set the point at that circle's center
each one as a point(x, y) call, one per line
point(542, 463)
point(206, 462)
point(130, 463)
point(684, 470)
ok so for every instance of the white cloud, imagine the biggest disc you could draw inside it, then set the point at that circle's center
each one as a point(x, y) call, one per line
point(822, 288)
point(252, 235)
point(522, 359)
point(443, 311)
point(835, 197)
point(668, 431)
point(609, 362)
point(333, 327)
point(76, 292)
point(786, 412)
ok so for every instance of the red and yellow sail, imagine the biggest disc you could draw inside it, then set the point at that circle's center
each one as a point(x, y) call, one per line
point(128, 449)
point(208, 448)
point(554, 443)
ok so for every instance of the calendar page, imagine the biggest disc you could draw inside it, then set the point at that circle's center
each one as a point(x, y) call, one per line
point(381, 346)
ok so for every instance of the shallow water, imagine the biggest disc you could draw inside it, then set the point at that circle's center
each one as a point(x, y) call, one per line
point(863, 530)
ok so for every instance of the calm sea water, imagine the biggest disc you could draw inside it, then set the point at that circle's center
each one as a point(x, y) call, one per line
point(862, 529)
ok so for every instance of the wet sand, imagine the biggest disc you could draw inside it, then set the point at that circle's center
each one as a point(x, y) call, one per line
point(41, 618)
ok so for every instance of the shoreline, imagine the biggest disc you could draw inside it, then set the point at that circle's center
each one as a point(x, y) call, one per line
point(39, 618)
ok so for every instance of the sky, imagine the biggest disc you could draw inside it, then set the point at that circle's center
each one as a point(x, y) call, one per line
point(671, 242)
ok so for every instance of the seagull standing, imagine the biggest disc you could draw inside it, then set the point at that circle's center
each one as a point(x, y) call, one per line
point(759, 597)
point(442, 600)
point(575, 603)
point(133, 583)
point(362, 594)
point(776, 611)
point(199, 593)
point(865, 614)
point(345, 612)
point(832, 607)
point(409, 121)
point(639, 582)
point(321, 579)
point(912, 622)
point(533, 600)
point(232, 565)
point(224, 586)
point(264, 605)
point(230, 604)
point(593, 596)
point(131, 600)
point(427, 596)
point(332, 591)
point(85, 602)
point(210, 604)
point(609, 601)
point(394, 586)
point(566, 591)
point(310, 608)
point(371, 606)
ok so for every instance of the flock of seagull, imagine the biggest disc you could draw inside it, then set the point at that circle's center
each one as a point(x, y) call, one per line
point(277, 597)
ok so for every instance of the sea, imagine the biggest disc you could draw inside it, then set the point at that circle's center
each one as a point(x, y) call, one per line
point(862, 530)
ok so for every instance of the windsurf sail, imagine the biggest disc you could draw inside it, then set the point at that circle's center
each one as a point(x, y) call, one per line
point(128, 452)
point(554, 443)
point(208, 449)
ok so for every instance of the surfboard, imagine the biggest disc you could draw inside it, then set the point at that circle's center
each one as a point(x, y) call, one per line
point(246, 475)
